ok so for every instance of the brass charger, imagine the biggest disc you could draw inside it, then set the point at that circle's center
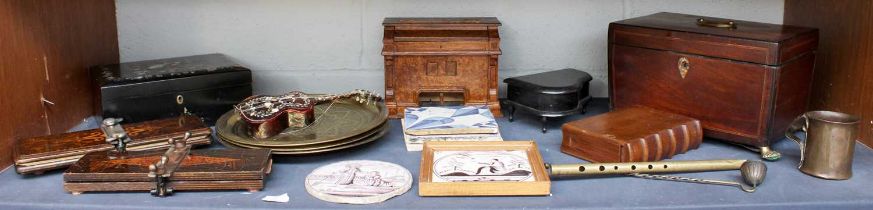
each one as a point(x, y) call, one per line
point(370, 136)
point(340, 124)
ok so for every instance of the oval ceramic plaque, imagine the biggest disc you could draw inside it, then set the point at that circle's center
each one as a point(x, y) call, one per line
point(358, 181)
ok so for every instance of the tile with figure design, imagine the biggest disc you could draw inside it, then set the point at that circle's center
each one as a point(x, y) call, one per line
point(481, 166)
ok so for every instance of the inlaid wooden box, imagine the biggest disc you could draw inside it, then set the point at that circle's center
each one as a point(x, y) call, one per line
point(440, 61)
point(744, 81)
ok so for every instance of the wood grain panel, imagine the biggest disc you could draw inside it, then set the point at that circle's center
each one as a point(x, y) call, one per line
point(843, 69)
point(20, 78)
point(792, 94)
point(652, 74)
point(698, 44)
point(36, 148)
point(441, 46)
point(79, 34)
point(867, 90)
point(445, 55)
point(46, 49)
point(199, 170)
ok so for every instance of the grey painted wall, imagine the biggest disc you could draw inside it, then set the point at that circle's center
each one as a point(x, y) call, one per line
point(335, 45)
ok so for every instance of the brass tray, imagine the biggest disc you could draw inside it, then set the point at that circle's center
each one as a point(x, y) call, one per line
point(380, 132)
point(319, 146)
point(346, 118)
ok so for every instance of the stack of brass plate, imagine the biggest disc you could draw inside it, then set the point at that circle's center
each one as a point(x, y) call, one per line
point(342, 124)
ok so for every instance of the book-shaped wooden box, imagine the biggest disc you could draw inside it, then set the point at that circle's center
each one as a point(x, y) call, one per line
point(635, 134)
point(39, 154)
point(162, 172)
point(502, 168)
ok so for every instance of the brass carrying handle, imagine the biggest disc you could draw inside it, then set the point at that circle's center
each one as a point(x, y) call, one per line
point(717, 24)
point(799, 124)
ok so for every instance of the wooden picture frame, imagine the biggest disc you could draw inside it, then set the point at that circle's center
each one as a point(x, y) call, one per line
point(536, 184)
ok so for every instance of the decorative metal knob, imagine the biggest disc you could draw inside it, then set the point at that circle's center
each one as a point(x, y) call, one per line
point(753, 172)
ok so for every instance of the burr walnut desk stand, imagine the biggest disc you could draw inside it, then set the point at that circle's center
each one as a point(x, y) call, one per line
point(440, 61)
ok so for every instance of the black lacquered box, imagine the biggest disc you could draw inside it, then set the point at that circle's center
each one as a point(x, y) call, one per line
point(549, 94)
point(203, 85)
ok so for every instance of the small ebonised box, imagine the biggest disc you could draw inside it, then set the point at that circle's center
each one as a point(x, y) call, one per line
point(203, 85)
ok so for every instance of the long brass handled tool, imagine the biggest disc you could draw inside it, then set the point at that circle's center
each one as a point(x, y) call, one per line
point(753, 172)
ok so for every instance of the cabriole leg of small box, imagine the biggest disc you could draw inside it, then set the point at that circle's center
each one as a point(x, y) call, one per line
point(584, 108)
point(511, 111)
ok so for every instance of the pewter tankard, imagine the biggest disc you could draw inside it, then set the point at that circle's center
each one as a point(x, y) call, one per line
point(830, 143)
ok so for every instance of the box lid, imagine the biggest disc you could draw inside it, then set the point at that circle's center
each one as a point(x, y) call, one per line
point(744, 29)
point(56, 151)
point(161, 69)
point(560, 81)
point(203, 165)
point(392, 21)
point(762, 43)
point(630, 123)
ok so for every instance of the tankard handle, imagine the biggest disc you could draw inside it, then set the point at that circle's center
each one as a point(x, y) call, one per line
point(799, 124)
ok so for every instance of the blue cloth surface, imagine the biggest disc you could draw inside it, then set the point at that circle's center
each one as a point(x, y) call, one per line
point(785, 187)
